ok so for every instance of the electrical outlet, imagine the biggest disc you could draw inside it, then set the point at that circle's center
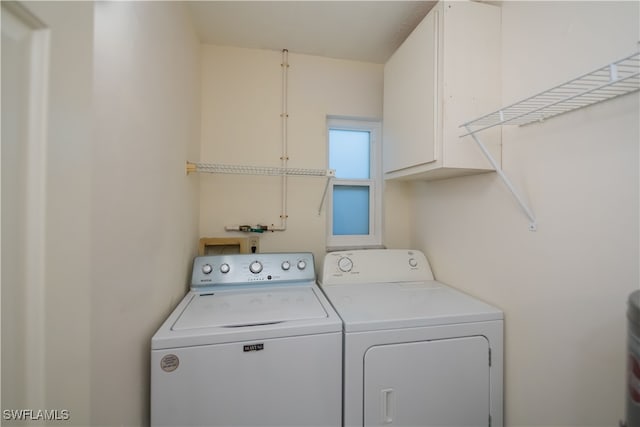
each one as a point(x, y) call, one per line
point(254, 244)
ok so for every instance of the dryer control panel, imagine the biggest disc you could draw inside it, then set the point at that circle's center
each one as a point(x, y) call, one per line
point(375, 266)
point(248, 269)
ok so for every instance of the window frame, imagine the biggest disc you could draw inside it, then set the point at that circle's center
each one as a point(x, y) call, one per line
point(375, 183)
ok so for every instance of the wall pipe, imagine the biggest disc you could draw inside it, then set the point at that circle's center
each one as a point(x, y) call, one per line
point(284, 158)
point(283, 170)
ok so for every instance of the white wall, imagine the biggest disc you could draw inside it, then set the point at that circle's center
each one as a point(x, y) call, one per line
point(121, 215)
point(241, 106)
point(68, 167)
point(564, 287)
point(144, 208)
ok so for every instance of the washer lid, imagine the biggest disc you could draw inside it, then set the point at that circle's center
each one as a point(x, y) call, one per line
point(378, 306)
point(233, 309)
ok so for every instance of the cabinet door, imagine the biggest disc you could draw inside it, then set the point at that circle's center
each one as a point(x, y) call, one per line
point(428, 383)
point(410, 99)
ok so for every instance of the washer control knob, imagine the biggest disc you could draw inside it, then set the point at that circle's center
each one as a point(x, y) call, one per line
point(255, 267)
point(286, 265)
point(345, 264)
point(302, 264)
point(207, 269)
point(224, 268)
point(413, 262)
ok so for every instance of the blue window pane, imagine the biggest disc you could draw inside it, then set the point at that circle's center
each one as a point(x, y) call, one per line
point(350, 210)
point(349, 153)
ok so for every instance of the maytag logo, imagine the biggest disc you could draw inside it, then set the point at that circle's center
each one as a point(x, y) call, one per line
point(253, 347)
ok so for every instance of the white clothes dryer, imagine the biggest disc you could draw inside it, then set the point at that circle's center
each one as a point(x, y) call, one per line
point(416, 352)
point(254, 343)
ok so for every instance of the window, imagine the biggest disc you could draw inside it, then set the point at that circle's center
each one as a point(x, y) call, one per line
point(354, 208)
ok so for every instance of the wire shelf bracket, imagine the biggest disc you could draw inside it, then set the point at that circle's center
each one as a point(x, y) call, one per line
point(618, 78)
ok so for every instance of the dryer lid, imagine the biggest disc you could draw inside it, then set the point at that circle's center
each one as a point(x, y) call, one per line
point(379, 306)
point(233, 309)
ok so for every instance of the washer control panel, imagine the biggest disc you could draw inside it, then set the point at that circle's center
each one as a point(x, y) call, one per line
point(375, 266)
point(243, 269)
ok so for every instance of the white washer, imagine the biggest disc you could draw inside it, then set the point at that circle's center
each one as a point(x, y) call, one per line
point(416, 352)
point(254, 343)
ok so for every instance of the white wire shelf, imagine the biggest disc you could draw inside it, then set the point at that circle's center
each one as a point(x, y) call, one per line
point(618, 78)
point(256, 170)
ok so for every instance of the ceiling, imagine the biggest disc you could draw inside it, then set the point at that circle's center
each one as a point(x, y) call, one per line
point(358, 30)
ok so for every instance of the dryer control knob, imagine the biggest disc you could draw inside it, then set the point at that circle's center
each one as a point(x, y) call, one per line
point(302, 264)
point(224, 268)
point(207, 269)
point(345, 264)
point(286, 265)
point(413, 262)
point(255, 267)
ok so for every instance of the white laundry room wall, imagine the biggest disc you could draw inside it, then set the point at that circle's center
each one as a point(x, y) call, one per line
point(241, 125)
point(144, 217)
point(563, 287)
point(119, 216)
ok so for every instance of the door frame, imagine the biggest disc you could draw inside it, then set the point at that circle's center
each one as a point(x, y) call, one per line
point(35, 176)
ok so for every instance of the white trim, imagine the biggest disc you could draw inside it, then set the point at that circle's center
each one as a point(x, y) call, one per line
point(374, 238)
point(35, 175)
point(36, 208)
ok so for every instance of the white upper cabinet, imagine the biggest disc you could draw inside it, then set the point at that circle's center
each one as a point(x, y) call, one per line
point(447, 70)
